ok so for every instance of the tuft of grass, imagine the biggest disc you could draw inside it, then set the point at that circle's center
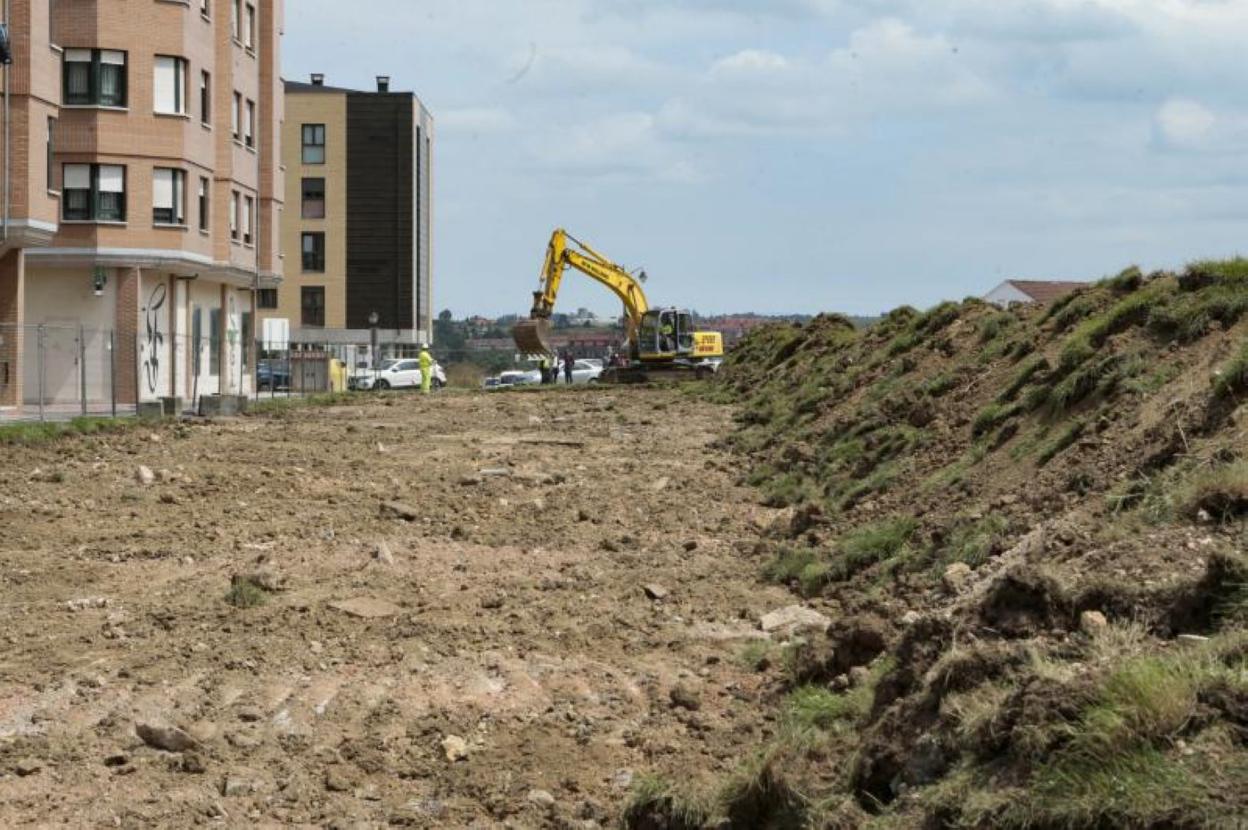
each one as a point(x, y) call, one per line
point(246, 593)
point(973, 710)
point(993, 416)
point(991, 327)
point(1221, 491)
point(656, 802)
point(1069, 311)
point(756, 655)
point(871, 544)
point(36, 433)
point(1232, 379)
point(972, 542)
point(816, 707)
point(804, 567)
point(277, 406)
point(940, 385)
point(1023, 376)
point(1126, 281)
point(1064, 440)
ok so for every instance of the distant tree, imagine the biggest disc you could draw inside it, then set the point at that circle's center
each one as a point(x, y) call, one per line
point(449, 335)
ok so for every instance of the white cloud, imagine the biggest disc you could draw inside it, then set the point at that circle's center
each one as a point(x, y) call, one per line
point(475, 121)
point(625, 145)
point(750, 61)
point(1184, 124)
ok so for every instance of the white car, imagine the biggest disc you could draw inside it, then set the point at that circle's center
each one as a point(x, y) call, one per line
point(584, 371)
point(395, 374)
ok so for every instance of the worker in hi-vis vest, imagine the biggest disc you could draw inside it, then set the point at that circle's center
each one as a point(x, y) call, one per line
point(426, 369)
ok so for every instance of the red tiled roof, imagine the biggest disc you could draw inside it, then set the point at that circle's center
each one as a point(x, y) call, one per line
point(1043, 291)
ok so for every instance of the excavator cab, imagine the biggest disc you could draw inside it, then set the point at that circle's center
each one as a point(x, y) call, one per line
point(665, 334)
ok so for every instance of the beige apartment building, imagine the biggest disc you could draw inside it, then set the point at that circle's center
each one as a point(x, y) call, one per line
point(358, 225)
point(143, 195)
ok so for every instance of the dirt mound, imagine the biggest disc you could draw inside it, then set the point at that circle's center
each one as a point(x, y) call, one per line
point(1047, 506)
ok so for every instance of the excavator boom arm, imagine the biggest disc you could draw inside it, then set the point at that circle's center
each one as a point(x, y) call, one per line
point(532, 335)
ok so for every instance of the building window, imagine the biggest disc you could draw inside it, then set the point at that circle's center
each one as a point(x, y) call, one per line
point(168, 196)
point(93, 192)
point(236, 116)
point(170, 85)
point(94, 77)
point(234, 215)
point(313, 198)
point(313, 143)
point(266, 299)
point(248, 206)
point(214, 341)
point(249, 27)
point(249, 124)
point(205, 98)
point(313, 306)
point(203, 204)
point(314, 253)
point(204, 8)
point(234, 9)
point(51, 151)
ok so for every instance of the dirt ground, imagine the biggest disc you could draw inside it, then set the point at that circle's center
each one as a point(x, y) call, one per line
point(463, 635)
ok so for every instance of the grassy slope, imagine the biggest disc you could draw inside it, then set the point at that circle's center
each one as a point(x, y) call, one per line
point(1106, 434)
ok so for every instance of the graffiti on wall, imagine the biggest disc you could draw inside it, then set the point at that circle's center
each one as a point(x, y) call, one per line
point(154, 336)
point(231, 340)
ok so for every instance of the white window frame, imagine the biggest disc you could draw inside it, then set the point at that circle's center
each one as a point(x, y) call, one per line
point(205, 97)
point(234, 196)
point(236, 116)
point(170, 78)
point(169, 193)
point(249, 210)
point(249, 27)
point(249, 123)
point(205, 204)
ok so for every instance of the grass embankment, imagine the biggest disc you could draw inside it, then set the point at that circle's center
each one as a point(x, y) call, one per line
point(1098, 441)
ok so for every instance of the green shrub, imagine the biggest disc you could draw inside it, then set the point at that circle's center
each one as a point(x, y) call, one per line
point(246, 593)
point(991, 327)
point(1126, 281)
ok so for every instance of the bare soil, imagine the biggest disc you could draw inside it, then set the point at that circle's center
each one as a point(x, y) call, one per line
point(511, 630)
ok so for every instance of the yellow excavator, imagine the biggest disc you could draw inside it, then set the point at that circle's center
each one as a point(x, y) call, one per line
point(659, 340)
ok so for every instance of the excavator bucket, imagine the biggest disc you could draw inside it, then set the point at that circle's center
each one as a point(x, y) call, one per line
point(532, 336)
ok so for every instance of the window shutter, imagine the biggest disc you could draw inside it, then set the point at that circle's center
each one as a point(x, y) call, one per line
point(78, 56)
point(166, 85)
point(112, 179)
point(162, 189)
point(77, 177)
point(115, 58)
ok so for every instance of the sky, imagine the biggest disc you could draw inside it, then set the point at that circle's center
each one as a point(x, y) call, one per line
point(795, 156)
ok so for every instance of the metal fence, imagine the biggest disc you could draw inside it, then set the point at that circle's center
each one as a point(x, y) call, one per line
point(61, 371)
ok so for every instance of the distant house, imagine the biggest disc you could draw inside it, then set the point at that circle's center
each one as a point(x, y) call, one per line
point(1030, 291)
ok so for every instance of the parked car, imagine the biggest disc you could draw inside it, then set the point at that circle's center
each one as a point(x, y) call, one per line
point(503, 380)
point(584, 371)
point(273, 375)
point(403, 373)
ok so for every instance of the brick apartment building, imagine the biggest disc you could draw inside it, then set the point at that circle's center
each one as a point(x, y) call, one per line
point(359, 220)
point(144, 193)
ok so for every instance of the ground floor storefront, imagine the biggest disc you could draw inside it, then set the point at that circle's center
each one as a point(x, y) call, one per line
point(99, 339)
